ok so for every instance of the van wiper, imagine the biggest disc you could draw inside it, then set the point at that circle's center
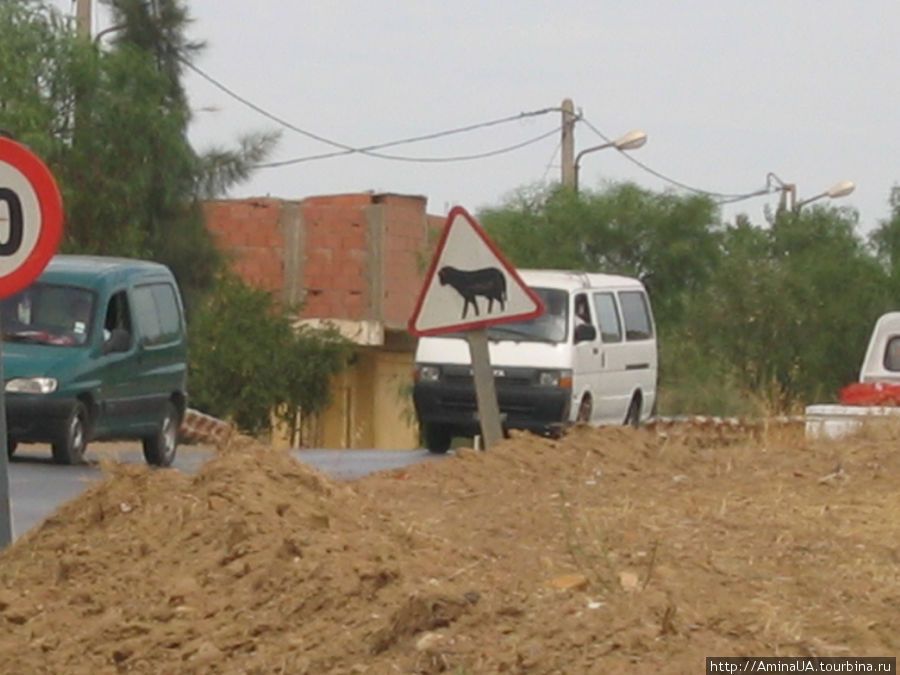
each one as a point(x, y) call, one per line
point(522, 335)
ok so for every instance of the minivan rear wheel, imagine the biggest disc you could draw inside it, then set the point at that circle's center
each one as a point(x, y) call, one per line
point(438, 438)
point(159, 449)
point(633, 416)
point(70, 446)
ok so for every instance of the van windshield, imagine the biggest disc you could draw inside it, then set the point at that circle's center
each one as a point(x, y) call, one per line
point(49, 314)
point(551, 326)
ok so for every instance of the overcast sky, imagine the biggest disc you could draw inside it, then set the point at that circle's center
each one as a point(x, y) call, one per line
point(727, 92)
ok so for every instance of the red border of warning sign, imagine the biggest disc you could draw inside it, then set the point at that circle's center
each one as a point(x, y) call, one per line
point(50, 204)
point(479, 323)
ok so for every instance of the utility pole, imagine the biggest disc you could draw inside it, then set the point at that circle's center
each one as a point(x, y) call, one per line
point(568, 143)
point(83, 19)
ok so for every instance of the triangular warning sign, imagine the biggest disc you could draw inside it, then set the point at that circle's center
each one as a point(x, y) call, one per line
point(470, 284)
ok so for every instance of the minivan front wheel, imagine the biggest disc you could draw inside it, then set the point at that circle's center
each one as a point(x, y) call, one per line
point(70, 446)
point(159, 449)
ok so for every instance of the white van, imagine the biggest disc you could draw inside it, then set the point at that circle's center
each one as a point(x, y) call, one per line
point(591, 357)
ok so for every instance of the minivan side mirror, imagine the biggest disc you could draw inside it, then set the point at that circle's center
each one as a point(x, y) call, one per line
point(119, 341)
point(585, 332)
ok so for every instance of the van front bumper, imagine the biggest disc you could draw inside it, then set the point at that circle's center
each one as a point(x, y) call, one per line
point(541, 409)
point(36, 418)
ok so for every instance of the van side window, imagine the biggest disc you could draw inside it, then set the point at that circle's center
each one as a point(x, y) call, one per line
point(157, 313)
point(582, 311)
point(608, 317)
point(892, 354)
point(117, 314)
point(636, 314)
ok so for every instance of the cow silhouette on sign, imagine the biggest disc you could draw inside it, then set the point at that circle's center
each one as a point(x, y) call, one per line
point(488, 282)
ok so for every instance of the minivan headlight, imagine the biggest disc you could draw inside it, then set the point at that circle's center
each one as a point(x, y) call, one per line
point(429, 373)
point(31, 385)
point(555, 378)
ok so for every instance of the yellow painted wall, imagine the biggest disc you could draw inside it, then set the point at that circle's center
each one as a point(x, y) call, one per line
point(371, 406)
point(395, 419)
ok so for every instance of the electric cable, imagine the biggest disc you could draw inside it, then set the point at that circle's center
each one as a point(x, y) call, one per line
point(368, 150)
point(719, 197)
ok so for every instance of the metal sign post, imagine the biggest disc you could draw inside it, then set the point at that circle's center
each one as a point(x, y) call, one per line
point(5, 515)
point(485, 392)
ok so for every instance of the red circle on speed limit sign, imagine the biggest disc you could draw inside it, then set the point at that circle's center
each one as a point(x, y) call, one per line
point(31, 217)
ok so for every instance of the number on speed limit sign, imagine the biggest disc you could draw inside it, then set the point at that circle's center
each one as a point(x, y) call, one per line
point(30, 217)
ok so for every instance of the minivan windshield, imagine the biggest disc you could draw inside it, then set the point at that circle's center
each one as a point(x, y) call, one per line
point(551, 326)
point(50, 314)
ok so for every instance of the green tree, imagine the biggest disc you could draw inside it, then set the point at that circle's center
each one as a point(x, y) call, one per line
point(774, 315)
point(885, 240)
point(791, 306)
point(247, 360)
point(111, 120)
point(668, 241)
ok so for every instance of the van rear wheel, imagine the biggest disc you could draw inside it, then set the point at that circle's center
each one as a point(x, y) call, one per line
point(633, 416)
point(438, 438)
point(159, 449)
point(70, 446)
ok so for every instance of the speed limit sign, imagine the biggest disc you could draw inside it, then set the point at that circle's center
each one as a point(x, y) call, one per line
point(30, 216)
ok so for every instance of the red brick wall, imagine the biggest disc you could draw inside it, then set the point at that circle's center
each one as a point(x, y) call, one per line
point(339, 253)
point(249, 231)
point(406, 257)
point(335, 246)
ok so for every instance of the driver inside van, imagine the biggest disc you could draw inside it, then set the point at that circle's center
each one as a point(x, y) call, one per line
point(582, 313)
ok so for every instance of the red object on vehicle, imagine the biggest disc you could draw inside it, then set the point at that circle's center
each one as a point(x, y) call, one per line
point(871, 393)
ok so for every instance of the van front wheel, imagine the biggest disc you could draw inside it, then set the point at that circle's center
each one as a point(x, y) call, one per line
point(70, 446)
point(438, 438)
point(159, 449)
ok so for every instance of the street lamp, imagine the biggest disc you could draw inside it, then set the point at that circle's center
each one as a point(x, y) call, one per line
point(630, 141)
point(836, 191)
point(789, 192)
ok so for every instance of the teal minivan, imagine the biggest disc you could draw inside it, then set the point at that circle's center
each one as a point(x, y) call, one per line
point(95, 349)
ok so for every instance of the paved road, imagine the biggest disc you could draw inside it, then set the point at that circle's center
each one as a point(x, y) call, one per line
point(37, 485)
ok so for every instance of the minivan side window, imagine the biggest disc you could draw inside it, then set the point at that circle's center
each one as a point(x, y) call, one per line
point(156, 310)
point(117, 314)
point(582, 311)
point(167, 306)
point(636, 314)
point(608, 317)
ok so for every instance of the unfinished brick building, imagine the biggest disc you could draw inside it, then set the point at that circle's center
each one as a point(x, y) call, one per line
point(356, 261)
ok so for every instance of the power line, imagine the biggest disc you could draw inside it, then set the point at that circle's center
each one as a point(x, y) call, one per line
point(368, 150)
point(719, 197)
point(422, 160)
point(550, 161)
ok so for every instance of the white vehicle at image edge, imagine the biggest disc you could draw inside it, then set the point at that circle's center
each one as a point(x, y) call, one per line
point(591, 357)
point(881, 365)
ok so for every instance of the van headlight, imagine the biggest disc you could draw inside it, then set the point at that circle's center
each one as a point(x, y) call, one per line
point(428, 373)
point(555, 378)
point(31, 385)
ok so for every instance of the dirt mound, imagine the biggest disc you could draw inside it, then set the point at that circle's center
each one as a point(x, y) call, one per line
point(610, 550)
